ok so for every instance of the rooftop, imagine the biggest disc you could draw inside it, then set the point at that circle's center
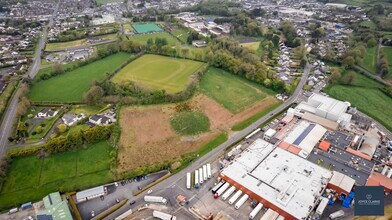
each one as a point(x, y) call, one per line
point(280, 177)
point(344, 162)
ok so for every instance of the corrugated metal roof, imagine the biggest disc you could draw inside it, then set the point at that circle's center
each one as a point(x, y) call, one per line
point(90, 192)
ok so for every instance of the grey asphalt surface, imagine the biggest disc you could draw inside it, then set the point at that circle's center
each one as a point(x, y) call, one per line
point(170, 182)
point(6, 125)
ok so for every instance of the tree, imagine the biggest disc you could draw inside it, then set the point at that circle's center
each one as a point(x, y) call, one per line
point(318, 33)
point(348, 61)
point(94, 95)
point(371, 42)
point(275, 39)
point(58, 68)
point(62, 128)
point(349, 78)
point(335, 74)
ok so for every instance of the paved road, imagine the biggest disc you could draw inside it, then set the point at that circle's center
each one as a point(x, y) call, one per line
point(215, 153)
point(6, 126)
point(372, 75)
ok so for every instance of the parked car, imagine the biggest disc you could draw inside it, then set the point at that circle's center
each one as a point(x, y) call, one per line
point(149, 191)
point(116, 184)
point(132, 202)
point(117, 200)
point(92, 213)
point(102, 197)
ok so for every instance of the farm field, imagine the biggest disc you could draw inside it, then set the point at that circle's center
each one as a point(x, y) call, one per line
point(68, 171)
point(146, 130)
point(70, 86)
point(388, 54)
point(142, 38)
point(369, 60)
point(366, 96)
point(158, 72)
point(234, 93)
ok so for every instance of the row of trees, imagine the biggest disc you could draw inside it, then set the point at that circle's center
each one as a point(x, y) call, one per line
point(382, 65)
point(230, 56)
point(288, 30)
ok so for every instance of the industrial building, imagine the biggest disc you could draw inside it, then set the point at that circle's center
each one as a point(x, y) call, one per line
point(282, 181)
point(55, 208)
point(90, 193)
point(324, 107)
point(302, 138)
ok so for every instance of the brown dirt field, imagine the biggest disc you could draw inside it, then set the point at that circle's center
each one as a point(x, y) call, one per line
point(148, 138)
point(146, 130)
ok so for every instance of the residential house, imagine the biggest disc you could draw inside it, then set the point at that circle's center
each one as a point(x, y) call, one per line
point(71, 119)
point(47, 113)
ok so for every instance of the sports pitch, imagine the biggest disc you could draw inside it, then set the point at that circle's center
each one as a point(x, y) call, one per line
point(158, 72)
point(146, 28)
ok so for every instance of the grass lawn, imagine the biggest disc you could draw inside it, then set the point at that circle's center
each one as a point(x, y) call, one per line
point(388, 53)
point(252, 45)
point(158, 72)
point(182, 34)
point(30, 178)
point(6, 95)
point(70, 86)
point(190, 123)
point(142, 38)
point(364, 94)
point(370, 59)
point(128, 27)
point(65, 45)
point(234, 93)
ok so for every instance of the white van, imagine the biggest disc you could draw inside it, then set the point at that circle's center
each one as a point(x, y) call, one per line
point(12, 211)
point(337, 214)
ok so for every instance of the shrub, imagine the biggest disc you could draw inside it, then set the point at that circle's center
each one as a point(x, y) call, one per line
point(62, 128)
point(38, 129)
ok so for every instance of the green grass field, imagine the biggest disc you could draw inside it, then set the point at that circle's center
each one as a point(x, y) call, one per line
point(158, 72)
point(252, 45)
point(190, 123)
point(370, 59)
point(366, 96)
point(30, 178)
point(388, 53)
point(182, 34)
point(65, 45)
point(70, 86)
point(234, 93)
point(146, 28)
point(142, 38)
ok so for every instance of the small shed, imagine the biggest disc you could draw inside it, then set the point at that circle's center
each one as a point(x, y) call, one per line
point(324, 145)
point(269, 134)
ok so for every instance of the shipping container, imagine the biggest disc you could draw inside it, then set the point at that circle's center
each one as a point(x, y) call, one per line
point(241, 201)
point(256, 210)
point(235, 197)
point(228, 193)
point(163, 216)
point(196, 179)
point(223, 189)
point(156, 199)
point(208, 170)
point(201, 176)
point(217, 186)
point(188, 180)
point(205, 172)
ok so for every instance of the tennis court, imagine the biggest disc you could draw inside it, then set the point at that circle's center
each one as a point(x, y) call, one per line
point(146, 28)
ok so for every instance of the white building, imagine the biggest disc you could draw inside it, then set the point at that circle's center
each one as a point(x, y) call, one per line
point(282, 181)
point(269, 134)
point(90, 193)
point(324, 107)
